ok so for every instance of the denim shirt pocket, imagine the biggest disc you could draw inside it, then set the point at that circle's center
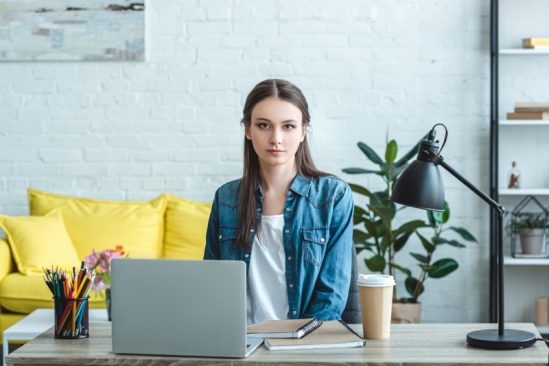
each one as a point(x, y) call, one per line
point(314, 244)
point(227, 242)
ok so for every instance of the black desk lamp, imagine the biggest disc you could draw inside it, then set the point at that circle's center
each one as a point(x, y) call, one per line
point(420, 185)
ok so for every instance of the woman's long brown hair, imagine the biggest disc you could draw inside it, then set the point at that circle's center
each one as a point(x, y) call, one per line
point(247, 199)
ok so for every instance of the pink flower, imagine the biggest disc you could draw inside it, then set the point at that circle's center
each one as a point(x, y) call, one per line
point(101, 262)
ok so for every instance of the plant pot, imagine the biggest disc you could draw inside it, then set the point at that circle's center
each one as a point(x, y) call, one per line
point(532, 241)
point(405, 313)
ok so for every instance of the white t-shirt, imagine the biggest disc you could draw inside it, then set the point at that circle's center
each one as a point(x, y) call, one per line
point(266, 293)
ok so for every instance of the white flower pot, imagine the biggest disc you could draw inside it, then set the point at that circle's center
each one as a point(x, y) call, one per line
point(532, 241)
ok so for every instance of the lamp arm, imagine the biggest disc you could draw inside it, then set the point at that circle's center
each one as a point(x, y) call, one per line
point(439, 160)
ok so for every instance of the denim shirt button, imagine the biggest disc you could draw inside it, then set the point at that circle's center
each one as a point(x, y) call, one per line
point(258, 209)
point(289, 193)
point(246, 255)
point(294, 312)
point(220, 236)
point(322, 240)
point(252, 230)
point(291, 285)
point(289, 258)
point(288, 209)
point(287, 231)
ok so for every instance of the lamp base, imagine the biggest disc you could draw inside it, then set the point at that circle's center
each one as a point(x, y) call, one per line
point(511, 339)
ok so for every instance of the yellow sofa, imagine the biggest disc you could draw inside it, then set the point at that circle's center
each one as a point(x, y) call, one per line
point(63, 230)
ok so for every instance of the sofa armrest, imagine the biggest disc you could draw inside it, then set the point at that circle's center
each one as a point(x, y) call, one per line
point(6, 261)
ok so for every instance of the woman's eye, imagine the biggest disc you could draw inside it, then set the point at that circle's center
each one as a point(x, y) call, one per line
point(262, 125)
point(289, 127)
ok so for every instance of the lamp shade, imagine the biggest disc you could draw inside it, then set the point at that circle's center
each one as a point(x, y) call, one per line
point(420, 185)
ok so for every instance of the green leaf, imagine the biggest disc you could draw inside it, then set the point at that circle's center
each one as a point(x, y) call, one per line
point(384, 243)
point(360, 171)
point(406, 271)
point(419, 257)
point(376, 263)
point(360, 236)
point(384, 213)
point(443, 268)
point(363, 191)
point(370, 154)
point(431, 218)
point(450, 242)
point(372, 228)
point(401, 240)
point(446, 213)
point(391, 152)
point(410, 154)
point(410, 226)
point(463, 233)
point(411, 283)
point(429, 247)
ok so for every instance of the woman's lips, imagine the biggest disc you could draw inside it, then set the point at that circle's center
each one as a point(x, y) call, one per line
point(275, 152)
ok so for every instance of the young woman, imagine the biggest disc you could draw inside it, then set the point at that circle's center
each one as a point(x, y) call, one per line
point(290, 223)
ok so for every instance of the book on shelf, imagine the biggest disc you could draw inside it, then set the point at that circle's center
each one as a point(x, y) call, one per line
point(531, 109)
point(284, 328)
point(528, 115)
point(531, 256)
point(531, 105)
point(529, 42)
point(331, 334)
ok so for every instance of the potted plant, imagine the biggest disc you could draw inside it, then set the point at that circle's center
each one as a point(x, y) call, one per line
point(374, 230)
point(430, 268)
point(532, 230)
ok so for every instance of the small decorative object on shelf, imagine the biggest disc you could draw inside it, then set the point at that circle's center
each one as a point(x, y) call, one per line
point(530, 111)
point(514, 176)
point(542, 311)
point(535, 43)
point(531, 227)
point(101, 263)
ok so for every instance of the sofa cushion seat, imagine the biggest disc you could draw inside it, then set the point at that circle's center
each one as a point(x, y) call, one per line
point(21, 293)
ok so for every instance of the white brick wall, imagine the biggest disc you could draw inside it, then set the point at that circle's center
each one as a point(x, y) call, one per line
point(131, 130)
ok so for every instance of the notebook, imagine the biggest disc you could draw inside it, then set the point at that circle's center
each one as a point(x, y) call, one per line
point(331, 334)
point(284, 328)
point(180, 308)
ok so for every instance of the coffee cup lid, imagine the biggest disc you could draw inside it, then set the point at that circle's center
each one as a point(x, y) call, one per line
point(375, 280)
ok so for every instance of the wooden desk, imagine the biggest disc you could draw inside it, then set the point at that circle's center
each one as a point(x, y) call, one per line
point(410, 344)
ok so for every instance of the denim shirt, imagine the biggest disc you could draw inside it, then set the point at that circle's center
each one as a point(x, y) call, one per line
point(317, 235)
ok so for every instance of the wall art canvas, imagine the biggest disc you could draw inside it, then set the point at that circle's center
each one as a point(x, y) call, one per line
point(72, 30)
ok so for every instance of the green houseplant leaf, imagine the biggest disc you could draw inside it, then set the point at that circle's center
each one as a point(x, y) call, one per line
point(371, 154)
point(391, 152)
point(376, 263)
point(443, 268)
point(463, 233)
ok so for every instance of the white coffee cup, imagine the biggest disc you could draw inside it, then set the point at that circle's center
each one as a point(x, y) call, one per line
point(376, 300)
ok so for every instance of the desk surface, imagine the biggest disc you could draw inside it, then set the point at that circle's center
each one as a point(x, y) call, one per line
point(410, 344)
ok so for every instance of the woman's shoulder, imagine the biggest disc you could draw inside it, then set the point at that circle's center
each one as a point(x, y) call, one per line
point(228, 192)
point(328, 187)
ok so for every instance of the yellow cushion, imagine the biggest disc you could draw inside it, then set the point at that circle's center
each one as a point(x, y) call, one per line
point(25, 293)
point(186, 224)
point(103, 224)
point(39, 241)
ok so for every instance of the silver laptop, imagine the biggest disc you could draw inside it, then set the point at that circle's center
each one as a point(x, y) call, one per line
point(180, 308)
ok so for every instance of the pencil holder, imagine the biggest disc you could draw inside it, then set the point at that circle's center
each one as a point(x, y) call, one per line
point(71, 318)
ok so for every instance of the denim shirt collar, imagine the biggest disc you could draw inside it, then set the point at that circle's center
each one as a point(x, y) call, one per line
point(300, 185)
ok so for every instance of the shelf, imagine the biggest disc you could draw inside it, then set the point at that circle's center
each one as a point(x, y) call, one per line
point(543, 329)
point(524, 192)
point(510, 261)
point(522, 51)
point(523, 122)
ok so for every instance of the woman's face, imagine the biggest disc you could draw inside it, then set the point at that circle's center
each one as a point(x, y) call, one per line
point(276, 130)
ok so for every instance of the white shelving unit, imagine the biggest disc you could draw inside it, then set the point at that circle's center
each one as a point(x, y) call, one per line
point(519, 79)
point(523, 122)
point(510, 261)
point(524, 51)
point(524, 192)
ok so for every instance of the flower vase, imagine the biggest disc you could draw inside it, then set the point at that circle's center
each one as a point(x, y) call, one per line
point(108, 302)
